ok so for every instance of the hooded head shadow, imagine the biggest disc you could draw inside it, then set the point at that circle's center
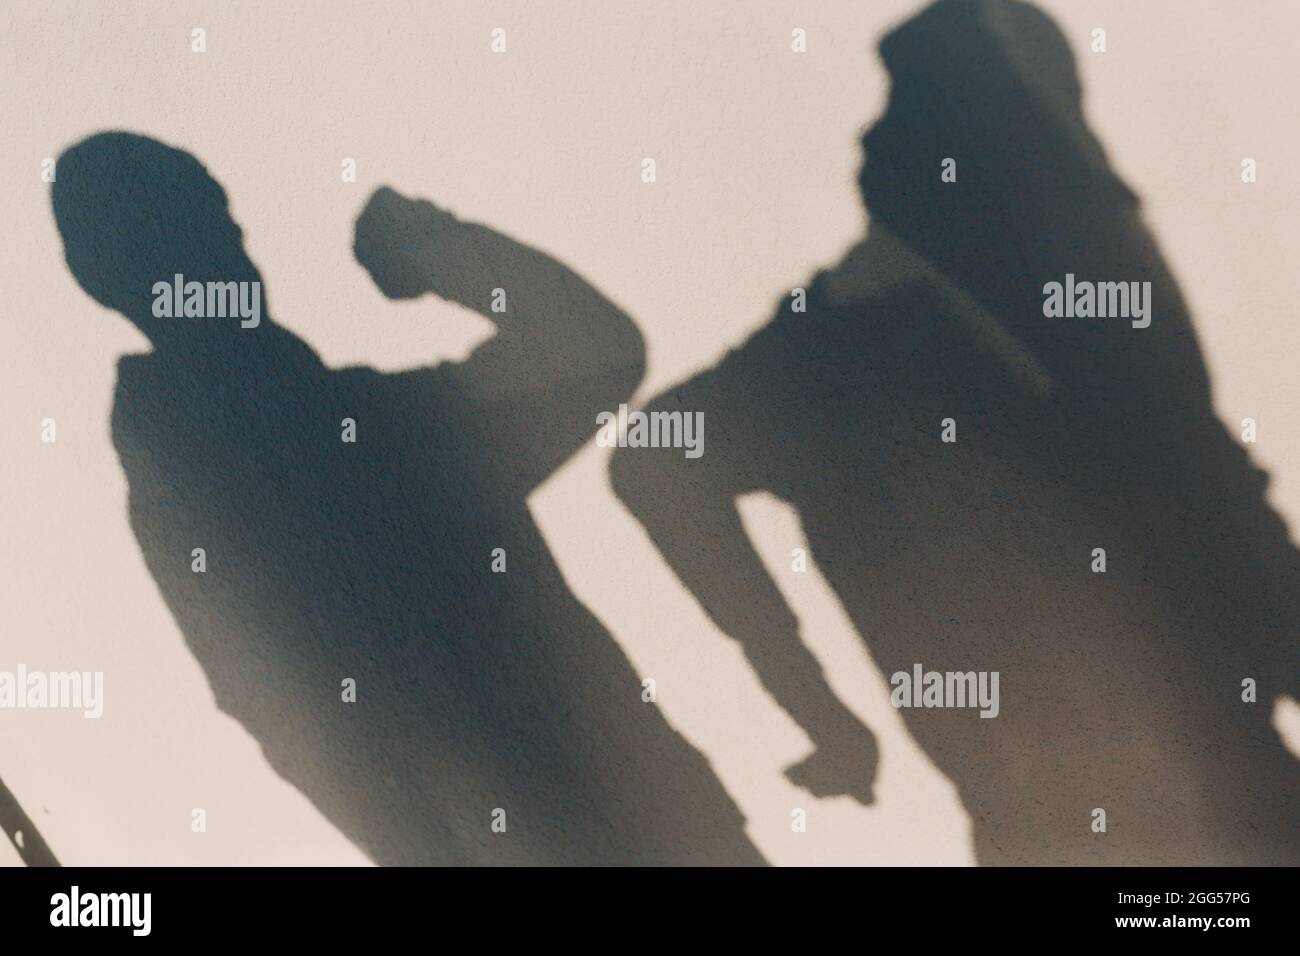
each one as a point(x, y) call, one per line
point(350, 555)
point(960, 462)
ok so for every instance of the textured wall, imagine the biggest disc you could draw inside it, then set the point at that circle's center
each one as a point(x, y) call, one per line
point(757, 152)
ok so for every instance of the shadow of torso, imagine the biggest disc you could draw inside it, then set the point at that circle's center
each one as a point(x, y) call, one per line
point(1119, 690)
point(372, 561)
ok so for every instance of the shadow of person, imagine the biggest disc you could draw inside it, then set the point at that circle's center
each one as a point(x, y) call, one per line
point(483, 701)
point(1119, 691)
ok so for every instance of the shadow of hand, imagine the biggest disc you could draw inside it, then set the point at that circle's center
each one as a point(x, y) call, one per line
point(407, 245)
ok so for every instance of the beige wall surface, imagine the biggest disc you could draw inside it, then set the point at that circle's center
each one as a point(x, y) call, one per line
point(757, 152)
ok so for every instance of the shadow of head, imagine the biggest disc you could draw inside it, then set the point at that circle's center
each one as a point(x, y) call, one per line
point(993, 86)
point(133, 212)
